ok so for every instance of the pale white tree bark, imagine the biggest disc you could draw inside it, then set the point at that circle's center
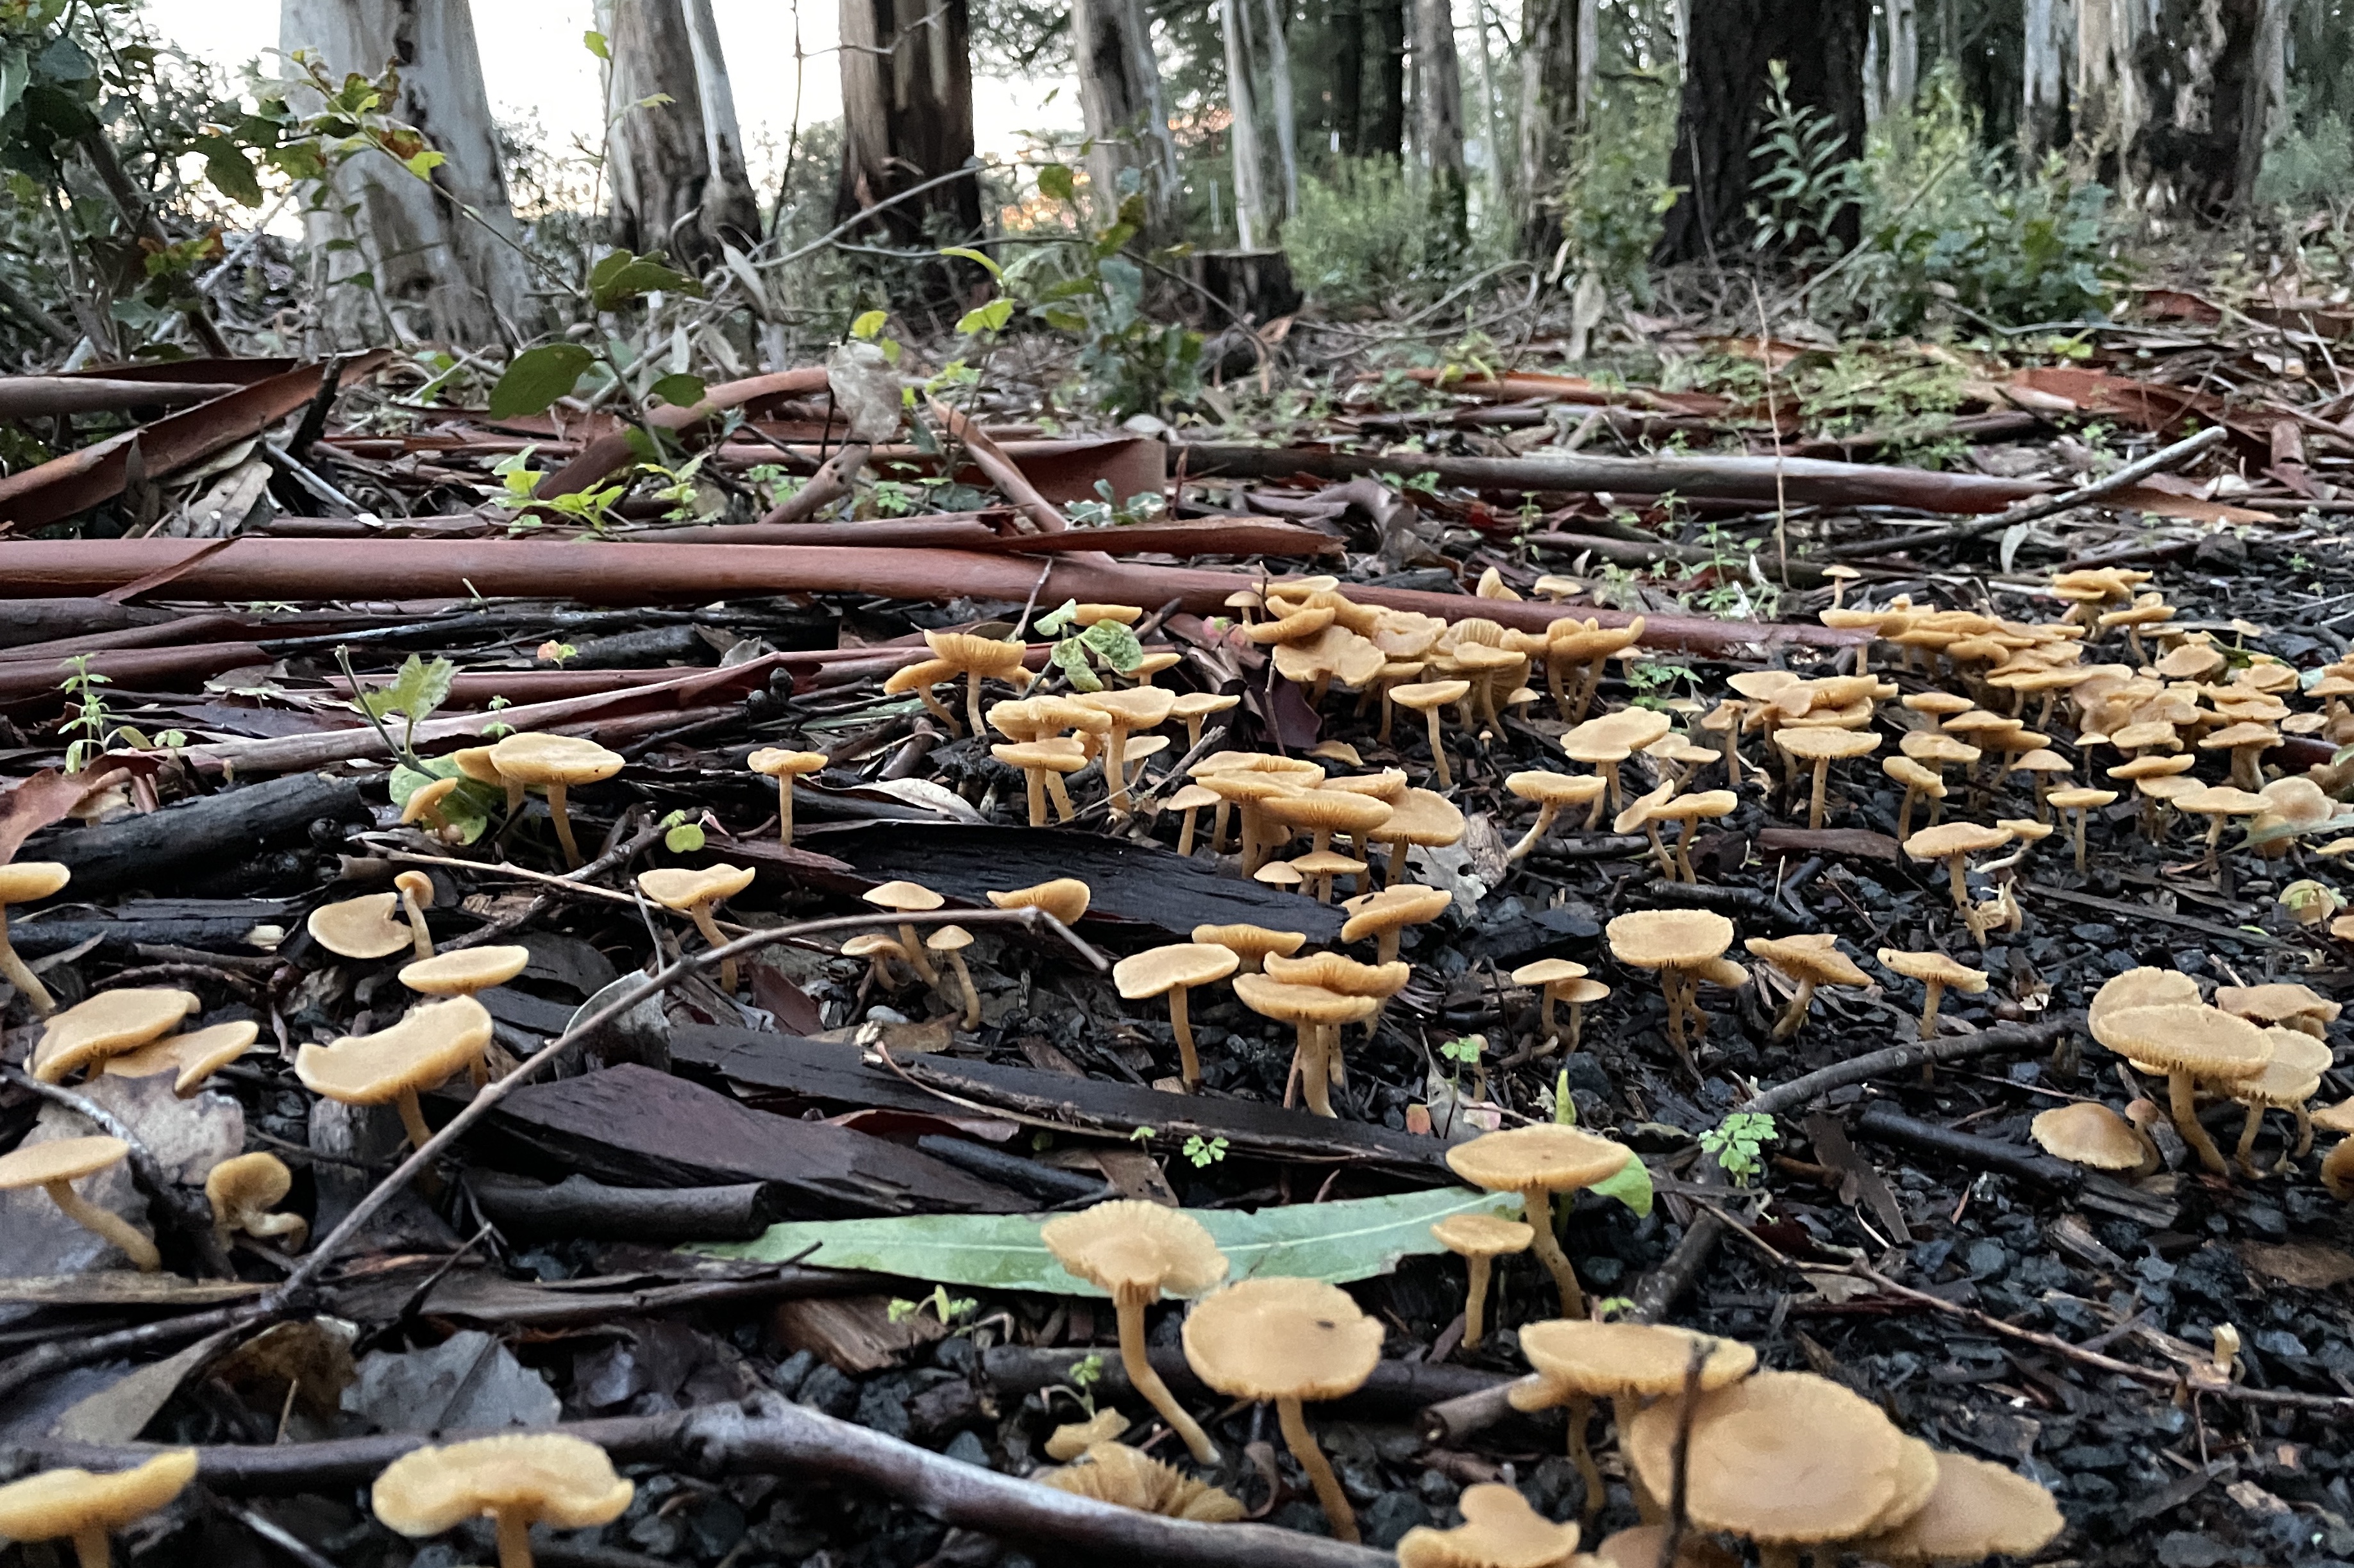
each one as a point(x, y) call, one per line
point(2048, 62)
point(1439, 112)
point(440, 251)
point(1286, 130)
point(723, 138)
point(2109, 106)
point(1253, 222)
point(1126, 111)
point(2266, 107)
point(1902, 67)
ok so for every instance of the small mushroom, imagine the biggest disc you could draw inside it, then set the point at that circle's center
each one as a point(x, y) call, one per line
point(878, 950)
point(1606, 742)
point(1323, 812)
point(111, 1023)
point(1065, 898)
point(950, 942)
point(1312, 1010)
point(1689, 810)
point(1919, 781)
point(1978, 1509)
point(1586, 647)
point(54, 1167)
point(1137, 708)
point(2246, 742)
point(1172, 970)
point(1421, 817)
point(1129, 1478)
point(976, 658)
point(2218, 803)
point(555, 763)
point(1500, 1530)
point(1579, 1360)
point(1937, 973)
point(1191, 708)
point(520, 1481)
point(1954, 843)
point(23, 882)
point(920, 678)
point(1043, 764)
point(1564, 981)
point(908, 898)
point(1320, 867)
point(1677, 943)
point(191, 1058)
point(1067, 1443)
point(1288, 1340)
point(1822, 747)
point(784, 766)
point(242, 1191)
point(2078, 801)
point(1551, 791)
point(1478, 1240)
point(82, 1508)
point(1427, 698)
point(393, 1064)
point(1139, 1251)
point(467, 971)
point(1537, 1161)
point(1811, 961)
point(695, 895)
point(1385, 916)
point(414, 890)
point(2188, 1042)
point(2290, 1005)
point(368, 926)
point(1187, 801)
point(2291, 1078)
point(1252, 944)
point(425, 805)
point(2090, 1134)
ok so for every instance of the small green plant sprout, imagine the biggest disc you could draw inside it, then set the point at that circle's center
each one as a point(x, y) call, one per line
point(1079, 652)
point(554, 652)
point(518, 494)
point(1564, 1109)
point(949, 1309)
point(1735, 1143)
point(1204, 1152)
point(2310, 902)
point(1110, 512)
point(1465, 1051)
point(1141, 1135)
point(415, 690)
point(1086, 1372)
point(682, 834)
point(91, 721)
point(1614, 1306)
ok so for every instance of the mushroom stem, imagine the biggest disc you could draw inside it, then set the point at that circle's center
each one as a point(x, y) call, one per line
point(90, 1549)
point(1684, 872)
point(1794, 1015)
point(1218, 826)
point(412, 1118)
point(110, 1225)
point(1114, 766)
point(916, 960)
point(1659, 854)
point(1315, 1071)
point(1547, 1025)
point(785, 811)
point(1311, 1459)
point(1475, 1299)
point(2246, 1152)
point(2182, 1105)
point(1815, 800)
point(1546, 813)
point(1146, 1381)
point(972, 701)
point(14, 971)
point(972, 997)
point(1733, 750)
point(1036, 779)
point(1905, 812)
point(939, 710)
point(1576, 1024)
point(1579, 1408)
point(1956, 881)
point(2304, 1139)
point(1185, 832)
point(1060, 796)
point(1183, 1027)
point(515, 1536)
point(2081, 813)
point(1934, 992)
point(563, 826)
point(701, 916)
point(1385, 945)
point(1437, 751)
point(1537, 1205)
point(422, 937)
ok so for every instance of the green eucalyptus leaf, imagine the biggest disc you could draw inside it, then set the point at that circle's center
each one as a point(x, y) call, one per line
point(536, 378)
point(225, 168)
point(620, 276)
point(597, 45)
point(967, 253)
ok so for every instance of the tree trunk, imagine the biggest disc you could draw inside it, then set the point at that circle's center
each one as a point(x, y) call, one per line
point(1385, 37)
point(1556, 84)
point(1348, 77)
point(1733, 41)
point(2264, 111)
point(1901, 62)
point(2173, 109)
point(436, 271)
point(1277, 15)
point(677, 168)
point(1127, 117)
point(1438, 122)
point(1254, 224)
point(2047, 66)
point(906, 117)
point(1492, 138)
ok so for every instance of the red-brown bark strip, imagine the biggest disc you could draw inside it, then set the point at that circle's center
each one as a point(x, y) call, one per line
point(610, 452)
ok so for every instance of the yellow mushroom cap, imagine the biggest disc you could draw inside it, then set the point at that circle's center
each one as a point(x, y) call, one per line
point(1157, 970)
point(1823, 745)
point(247, 1185)
point(1129, 1478)
point(1393, 908)
point(21, 882)
point(1483, 1236)
point(1279, 1337)
point(545, 1477)
point(1500, 1530)
point(554, 759)
point(776, 762)
point(966, 653)
point(426, 797)
point(1066, 1443)
point(1270, 997)
point(1136, 1250)
point(1955, 838)
point(1251, 942)
point(1783, 1459)
point(192, 1057)
point(1541, 1157)
point(107, 1024)
point(59, 1160)
point(1668, 939)
point(1549, 788)
point(1548, 972)
point(1613, 738)
point(2088, 1133)
point(1065, 898)
point(1619, 1361)
point(368, 926)
point(466, 971)
point(69, 1502)
point(1328, 810)
point(2185, 1037)
point(1338, 972)
point(1814, 958)
point(2277, 1002)
point(902, 897)
point(2139, 988)
point(1424, 695)
point(677, 889)
point(1977, 1509)
point(420, 1051)
point(1935, 967)
point(1422, 817)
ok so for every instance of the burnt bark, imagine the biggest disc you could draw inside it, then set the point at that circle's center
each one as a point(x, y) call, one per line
point(1731, 44)
point(1348, 32)
point(1557, 60)
point(677, 168)
point(1127, 115)
point(1384, 34)
point(906, 117)
point(2173, 111)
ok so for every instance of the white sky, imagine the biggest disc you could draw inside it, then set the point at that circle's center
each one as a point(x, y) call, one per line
point(533, 60)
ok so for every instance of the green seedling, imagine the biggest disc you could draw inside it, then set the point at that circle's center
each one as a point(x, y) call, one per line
point(1736, 1144)
point(1204, 1152)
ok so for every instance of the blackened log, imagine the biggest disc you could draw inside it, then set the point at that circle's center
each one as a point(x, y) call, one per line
point(1041, 1181)
point(579, 1207)
point(1883, 1123)
point(162, 846)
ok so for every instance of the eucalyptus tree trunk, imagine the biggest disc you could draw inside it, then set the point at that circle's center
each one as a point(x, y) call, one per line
point(407, 258)
point(1559, 40)
point(1438, 119)
point(906, 117)
point(1385, 40)
point(1901, 60)
point(1278, 18)
point(1348, 24)
point(2047, 66)
point(1500, 166)
point(1253, 222)
point(677, 168)
point(2175, 100)
point(1127, 115)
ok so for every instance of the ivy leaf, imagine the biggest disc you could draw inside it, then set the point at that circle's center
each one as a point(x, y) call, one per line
point(1116, 644)
point(684, 839)
point(423, 164)
point(594, 43)
point(536, 378)
point(416, 690)
point(868, 323)
point(1055, 184)
point(990, 317)
point(620, 276)
point(679, 391)
point(1056, 619)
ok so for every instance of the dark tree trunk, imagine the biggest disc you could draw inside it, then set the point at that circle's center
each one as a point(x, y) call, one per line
point(1438, 125)
point(1348, 25)
point(2174, 114)
point(1385, 32)
point(906, 117)
point(1555, 71)
point(1821, 42)
point(1127, 120)
point(677, 170)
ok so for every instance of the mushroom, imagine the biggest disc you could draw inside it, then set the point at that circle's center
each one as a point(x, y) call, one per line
point(1822, 747)
point(1676, 942)
point(368, 926)
point(108, 1025)
point(1689, 810)
point(1918, 782)
point(1500, 1530)
point(2246, 742)
point(22, 881)
point(2080, 800)
point(1954, 843)
point(1129, 1478)
point(1606, 742)
point(81, 1507)
point(1586, 647)
point(878, 950)
point(242, 1191)
point(191, 1058)
point(1811, 961)
point(2338, 1171)
point(465, 972)
point(2288, 1080)
point(527, 1479)
point(1252, 944)
point(1067, 1443)
point(474, 762)
point(1312, 1010)
point(1551, 791)
point(696, 894)
point(1385, 916)
point(1137, 708)
point(391, 1066)
point(2090, 1134)
point(1578, 1360)
point(1138, 1250)
point(1065, 898)
point(977, 657)
point(1320, 867)
point(1190, 802)
point(784, 766)
point(910, 898)
point(1043, 764)
point(1191, 707)
point(54, 1167)
point(425, 805)
point(1562, 980)
point(1172, 970)
point(950, 942)
point(414, 890)
point(1787, 1460)
point(2292, 1006)
point(1288, 1340)
point(1537, 1161)
point(1426, 698)
point(1324, 812)
point(1423, 816)
point(1937, 972)
point(920, 677)
point(1478, 1240)
point(1978, 1509)
point(555, 763)
point(2188, 1041)
point(2218, 803)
